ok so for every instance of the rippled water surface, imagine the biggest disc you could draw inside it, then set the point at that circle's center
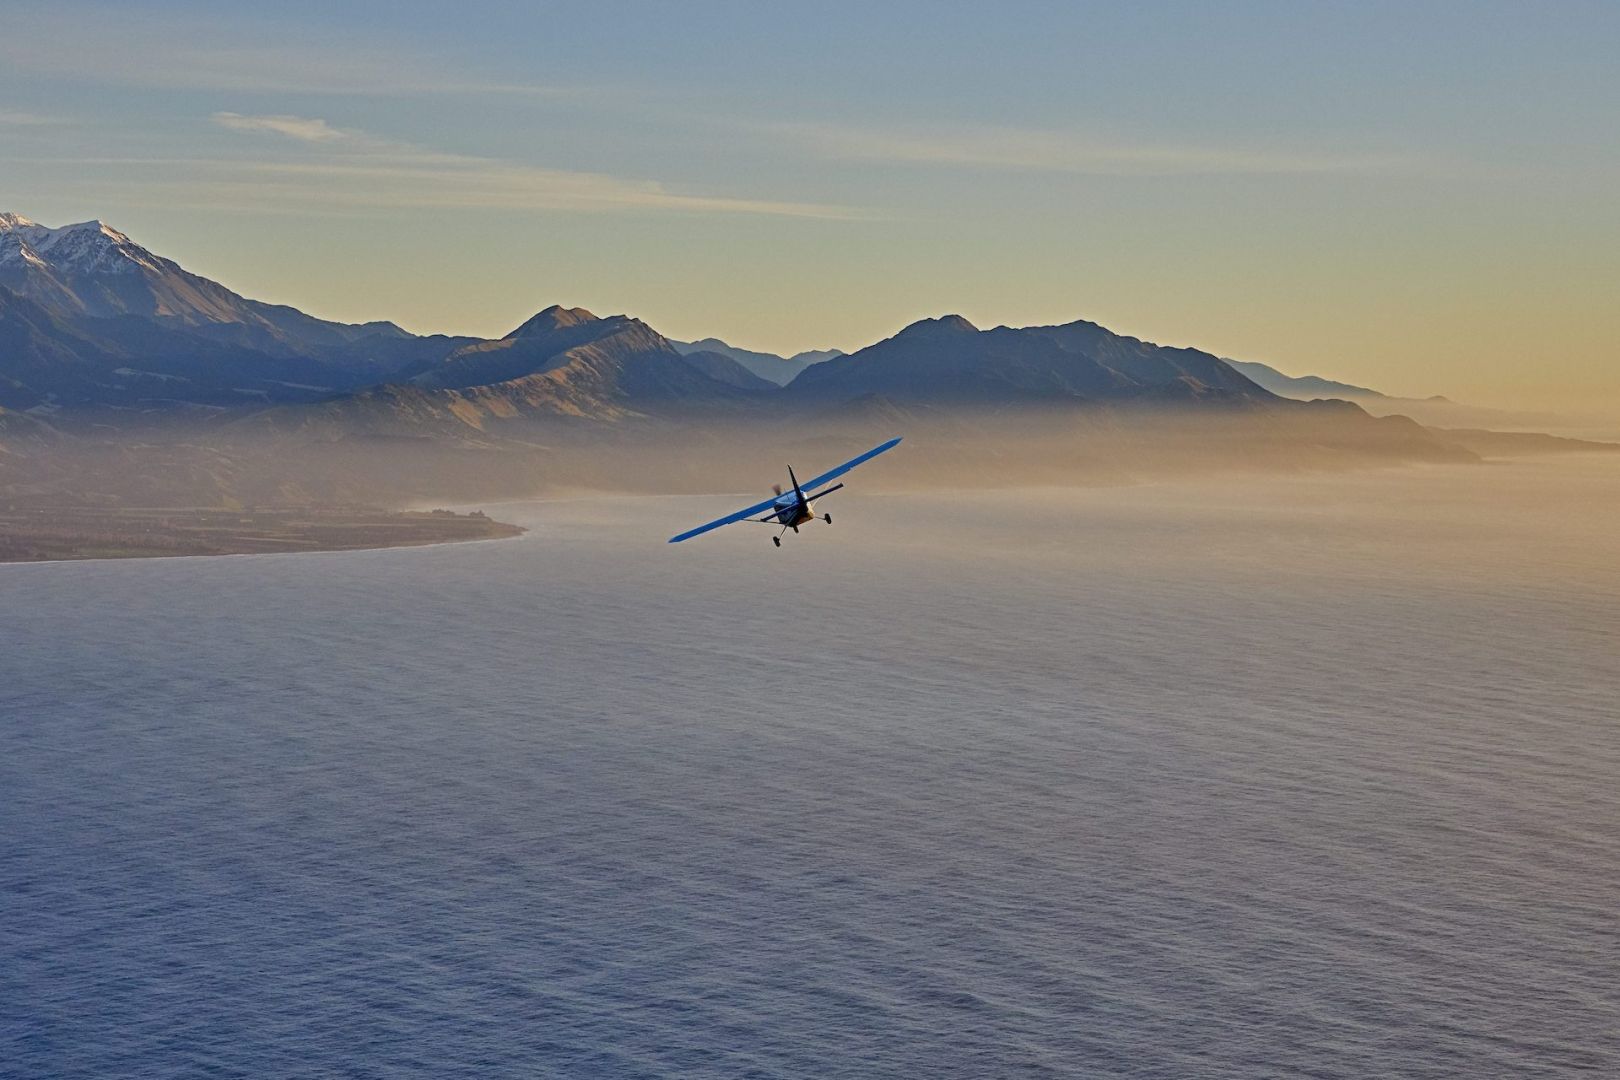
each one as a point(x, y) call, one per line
point(1313, 776)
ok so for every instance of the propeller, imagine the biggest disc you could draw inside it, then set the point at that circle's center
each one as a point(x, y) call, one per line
point(777, 488)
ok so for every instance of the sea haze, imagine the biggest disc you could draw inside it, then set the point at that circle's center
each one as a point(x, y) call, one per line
point(1307, 775)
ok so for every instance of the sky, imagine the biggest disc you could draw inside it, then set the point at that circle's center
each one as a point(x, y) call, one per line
point(1420, 197)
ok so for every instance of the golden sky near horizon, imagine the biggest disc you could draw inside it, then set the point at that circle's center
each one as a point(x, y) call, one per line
point(1416, 201)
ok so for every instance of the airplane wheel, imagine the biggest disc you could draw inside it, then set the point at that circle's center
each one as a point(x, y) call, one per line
point(827, 518)
point(777, 540)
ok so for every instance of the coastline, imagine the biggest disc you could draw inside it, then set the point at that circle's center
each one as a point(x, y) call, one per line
point(79, 534)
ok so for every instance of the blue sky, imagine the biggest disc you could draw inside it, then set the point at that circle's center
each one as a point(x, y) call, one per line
point(1419, 196)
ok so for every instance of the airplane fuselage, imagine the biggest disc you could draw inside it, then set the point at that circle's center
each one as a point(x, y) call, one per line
point(792, 512)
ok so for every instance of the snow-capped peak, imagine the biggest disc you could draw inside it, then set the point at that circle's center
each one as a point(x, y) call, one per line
point(94, 226)
point(84, 247)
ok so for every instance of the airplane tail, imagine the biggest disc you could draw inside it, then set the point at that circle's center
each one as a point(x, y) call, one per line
point(797, 490)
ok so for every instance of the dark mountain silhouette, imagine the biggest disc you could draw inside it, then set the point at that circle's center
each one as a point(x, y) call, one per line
point(583, 365)
point(1303, 387)
point(139, 377)
point(949, 360)
point(1435, 411)
point(377, 357)
point(722, 367)
point(779, 370)
point(562, 366)
point(128, 361)
point(95, 319)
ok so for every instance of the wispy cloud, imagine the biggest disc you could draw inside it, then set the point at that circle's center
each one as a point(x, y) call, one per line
point(227, 53)
point(1037, 150)
point(294, 127)
point(323, 166)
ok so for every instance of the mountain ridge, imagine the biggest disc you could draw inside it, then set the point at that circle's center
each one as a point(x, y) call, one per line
point(91, 269)
point(772, 367)
point(246, 369)
point(119, 308)
point(1303, 387)
point(606, 366)
point(947, 358)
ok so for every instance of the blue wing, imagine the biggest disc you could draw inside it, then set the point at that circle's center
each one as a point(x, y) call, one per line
point(768, 504)
point(833, 474)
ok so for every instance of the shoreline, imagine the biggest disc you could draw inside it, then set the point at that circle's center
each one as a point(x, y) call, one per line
point(82, 534)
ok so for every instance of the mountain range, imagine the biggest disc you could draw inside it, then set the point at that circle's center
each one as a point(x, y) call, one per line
point(89, 319)
point(105, 343)
point(1434, 411)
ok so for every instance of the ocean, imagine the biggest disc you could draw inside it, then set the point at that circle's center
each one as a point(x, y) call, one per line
point(1306, 775)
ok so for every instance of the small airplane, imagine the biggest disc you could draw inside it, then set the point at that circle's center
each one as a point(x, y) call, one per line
point(790, 510)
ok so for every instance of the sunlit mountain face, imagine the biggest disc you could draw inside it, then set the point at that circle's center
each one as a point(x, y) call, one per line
point(107, 344)
point(98, 319)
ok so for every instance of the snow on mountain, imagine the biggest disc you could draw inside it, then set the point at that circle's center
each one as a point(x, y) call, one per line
point(91, 247)
point(91, 270)
point(94, 247)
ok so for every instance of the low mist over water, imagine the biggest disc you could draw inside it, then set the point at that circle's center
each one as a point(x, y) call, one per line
point(1225, 777)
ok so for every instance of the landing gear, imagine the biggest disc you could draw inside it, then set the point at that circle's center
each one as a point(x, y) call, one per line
point(827, 518)
point(777, 540)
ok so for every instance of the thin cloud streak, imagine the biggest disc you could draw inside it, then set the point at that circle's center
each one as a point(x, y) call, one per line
point(1032, 150)
point(294, 127)
point(117, 47)
point(338, 191)
point(485, 184)
point(344, 167)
